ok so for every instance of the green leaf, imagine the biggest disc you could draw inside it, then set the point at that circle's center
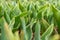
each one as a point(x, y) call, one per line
point(23, 14)
point(14, 12)
point(37, 31)
point(11, 24)
point(56, 13)
point(16, 24)
point(1, 22)
point(41, 11)
point(48, 32)
point(6, 16)
point(6, 33)
point(24, 28)
point(1, 11)
point(0, 8)
point(29, 33)
point(43, 7)
point(21, 7)
point(31, 23)
point(45, 23)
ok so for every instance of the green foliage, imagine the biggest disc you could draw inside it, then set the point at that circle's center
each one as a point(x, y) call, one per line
point(29, 19)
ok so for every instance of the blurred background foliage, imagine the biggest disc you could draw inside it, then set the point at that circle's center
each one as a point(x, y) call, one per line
point(30, 19)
